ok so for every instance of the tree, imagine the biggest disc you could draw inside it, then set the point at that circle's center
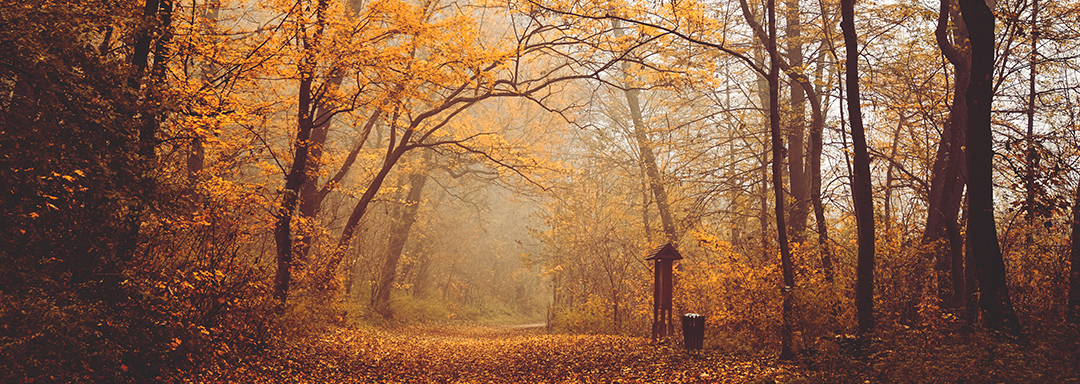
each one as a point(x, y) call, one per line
point(591, 237)
point(430, 96)
point(798, 167)
point(806, 90)
point(313, 195)
point(88, 151)
point(997, 308)
point(306, 120)
point(862, 192)
point(776, 64)
point(1031, 155)
point(645, 147)
point(155, 28)
point(947, 183)
point(1073, 310)
point(817, 126)
point(788, 272)
point(402, 224)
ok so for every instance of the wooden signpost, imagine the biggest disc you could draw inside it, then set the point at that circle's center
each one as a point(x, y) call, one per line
point(664, 256)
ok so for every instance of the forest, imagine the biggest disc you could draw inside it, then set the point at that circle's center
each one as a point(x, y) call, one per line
point(467, 190)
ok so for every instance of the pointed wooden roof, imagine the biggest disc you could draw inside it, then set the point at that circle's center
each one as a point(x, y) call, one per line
point(664, 252)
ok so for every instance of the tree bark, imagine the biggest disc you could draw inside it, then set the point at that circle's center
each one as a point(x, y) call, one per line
point(1073, 311)
point(786, 333)
point(311, 196)
point(310, 200)
point(297, 174)
point(309, 192)
point(398, 238)
point(196, 152)
point(862, 194)
point(157, 22)
point(947, 182)
point(291, 194)
point(886, 204)
point(971, 280)
point(817, 125)
point(393, 154)
point(763, 94)
point(1031, 158)
point(816, 144)
point(997, 308)
point(140, 57)
point(797, 173)
point(822, 227)
point(648, 158)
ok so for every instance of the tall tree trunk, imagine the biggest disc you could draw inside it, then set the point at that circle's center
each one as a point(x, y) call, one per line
point(312, 203)
point(1073, 311)
point(196, 152)
point(956, 168)
point(291, 194)
point(763, 161)
point(297, 174)
point(149, 129)
point(971, 279)
point(140, 57)
point(648, 158)
point(862, 194)
point(816, 144)
point(997, 308)
point(786, 333)
point(910, 312)
point(956, 256)
point(394, 153)
point(821, 225)
point(763, 204)
point(157, 22)
point(1031, 158)
point(887, 200)
point(398, 238)
point(797, 174)
point(311, 196)
point(422, 277)
point(310, 199)
point(646, 201)
point(395, 149)
point(947, 182)
point(812, 193)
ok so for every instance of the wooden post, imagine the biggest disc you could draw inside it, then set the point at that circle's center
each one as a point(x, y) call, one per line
point(663, 284)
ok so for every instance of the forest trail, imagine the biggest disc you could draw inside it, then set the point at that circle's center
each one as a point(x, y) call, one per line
point(503, 354)
point(527, 326)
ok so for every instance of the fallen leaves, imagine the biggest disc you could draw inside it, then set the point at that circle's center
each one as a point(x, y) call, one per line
point(491, 355)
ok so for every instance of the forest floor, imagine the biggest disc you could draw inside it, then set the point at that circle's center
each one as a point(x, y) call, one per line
point(527, 354)
point(480, 354)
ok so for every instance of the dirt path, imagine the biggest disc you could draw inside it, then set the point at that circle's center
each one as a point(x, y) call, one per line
point(521, 354)
point(527, 326)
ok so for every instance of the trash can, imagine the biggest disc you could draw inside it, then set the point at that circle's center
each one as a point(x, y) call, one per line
point(693, 330)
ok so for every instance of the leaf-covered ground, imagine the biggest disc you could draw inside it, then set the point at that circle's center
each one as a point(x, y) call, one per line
point(490, 355)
